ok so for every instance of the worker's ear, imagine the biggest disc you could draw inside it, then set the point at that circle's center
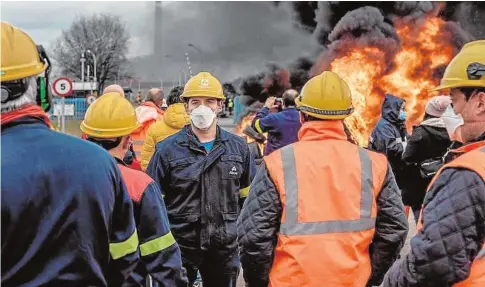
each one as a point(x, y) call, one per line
point(219, 106)
point(186, 106)
point(126, 142)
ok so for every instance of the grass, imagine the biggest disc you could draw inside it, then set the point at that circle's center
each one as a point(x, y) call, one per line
point(72, 127)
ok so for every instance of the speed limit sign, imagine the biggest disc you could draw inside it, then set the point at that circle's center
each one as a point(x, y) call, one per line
point(62, 87)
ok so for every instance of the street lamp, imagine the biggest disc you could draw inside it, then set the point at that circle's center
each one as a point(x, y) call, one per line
point(196, 48)
point(198, 51)
point(94, 58)
point(83, 60)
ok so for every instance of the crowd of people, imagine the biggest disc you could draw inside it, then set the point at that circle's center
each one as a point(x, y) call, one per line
point(162, 196)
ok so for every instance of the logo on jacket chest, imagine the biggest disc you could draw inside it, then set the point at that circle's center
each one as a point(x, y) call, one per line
point(233, 171)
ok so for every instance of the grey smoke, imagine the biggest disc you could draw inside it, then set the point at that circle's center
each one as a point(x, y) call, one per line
point(363, 20)
point(233, 39)
point(471, 16)
point(458, 36)
point(362, 27)
point(322, 17)
point(414, 9)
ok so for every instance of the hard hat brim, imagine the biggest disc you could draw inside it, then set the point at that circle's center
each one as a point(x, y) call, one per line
point(202, 95)
point(464, 84)
point(107, 133)
point(12, 75)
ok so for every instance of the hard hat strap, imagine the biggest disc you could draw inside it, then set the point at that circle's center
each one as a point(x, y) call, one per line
point(475, 71)
point(326, 112)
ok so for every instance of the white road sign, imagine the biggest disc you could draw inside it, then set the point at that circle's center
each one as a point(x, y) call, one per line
point(68, 110)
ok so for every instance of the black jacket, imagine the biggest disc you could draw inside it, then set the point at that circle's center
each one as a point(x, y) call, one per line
point(260, 218)
point(452, 235)
point(388, 137)
point(202, 190)
point(429, 140)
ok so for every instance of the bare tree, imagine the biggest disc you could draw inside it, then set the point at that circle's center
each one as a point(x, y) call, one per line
point(105, 35)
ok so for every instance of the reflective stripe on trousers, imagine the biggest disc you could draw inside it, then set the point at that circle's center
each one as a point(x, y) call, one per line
point(291, 225)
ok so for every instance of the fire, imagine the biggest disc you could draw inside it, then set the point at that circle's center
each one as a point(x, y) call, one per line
point(245, 122)
point(424, 47)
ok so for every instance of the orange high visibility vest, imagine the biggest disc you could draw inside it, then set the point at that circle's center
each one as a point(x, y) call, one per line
point(147, 114)
point(473, 158)
point(328, 190)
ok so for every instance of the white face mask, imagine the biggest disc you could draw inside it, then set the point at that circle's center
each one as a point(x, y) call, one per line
point(202, 117)
point(452, 121)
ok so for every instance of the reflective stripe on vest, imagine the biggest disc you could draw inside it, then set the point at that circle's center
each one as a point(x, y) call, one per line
point(291, 225)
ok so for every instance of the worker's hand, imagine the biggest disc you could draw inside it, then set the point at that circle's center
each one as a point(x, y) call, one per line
point(270, 103)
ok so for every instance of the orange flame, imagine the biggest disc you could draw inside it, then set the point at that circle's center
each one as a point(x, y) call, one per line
point(424, 47)
point(245, 122)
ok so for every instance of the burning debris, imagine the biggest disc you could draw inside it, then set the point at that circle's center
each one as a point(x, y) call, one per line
point(380, 61)
point(244, 129)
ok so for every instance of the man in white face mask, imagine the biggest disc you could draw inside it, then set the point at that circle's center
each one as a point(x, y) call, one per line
point(204, 173)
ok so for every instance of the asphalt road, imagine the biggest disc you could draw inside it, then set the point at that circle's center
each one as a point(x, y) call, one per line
point(228, 125)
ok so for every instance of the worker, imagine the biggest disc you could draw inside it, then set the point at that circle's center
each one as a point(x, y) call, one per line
point(147, 114)
point(282, 127)
point(67, 218)
point(109, 122)
point(114, 89)
point(321, 211)
point(426, 147)
point(449, 247)
point(174, 119)
point(390, 136)
point(203, 172)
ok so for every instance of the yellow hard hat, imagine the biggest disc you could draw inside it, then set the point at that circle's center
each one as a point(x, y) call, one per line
point(110, 116)
point(20, 56)
point(467, 69)
point(326, 96)
point(203, 85)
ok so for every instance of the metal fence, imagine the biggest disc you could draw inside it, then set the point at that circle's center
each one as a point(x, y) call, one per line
point(75, 108)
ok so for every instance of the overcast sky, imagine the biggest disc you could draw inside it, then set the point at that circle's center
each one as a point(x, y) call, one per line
point(236, 39)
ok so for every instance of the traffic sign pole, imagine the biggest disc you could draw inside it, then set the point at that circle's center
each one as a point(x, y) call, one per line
point(63, 88)
point(63, 114)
